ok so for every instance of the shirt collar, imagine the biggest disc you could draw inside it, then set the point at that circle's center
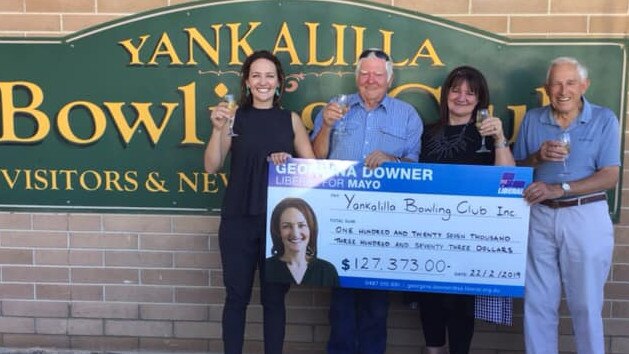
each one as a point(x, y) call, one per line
point(356, 99)
point(586, 112)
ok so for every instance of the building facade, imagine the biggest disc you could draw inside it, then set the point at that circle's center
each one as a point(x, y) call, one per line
point(153, 282)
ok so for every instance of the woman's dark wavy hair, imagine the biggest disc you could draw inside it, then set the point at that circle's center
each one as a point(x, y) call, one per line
point(477, 83)
point(245, 96)
point(311, 220)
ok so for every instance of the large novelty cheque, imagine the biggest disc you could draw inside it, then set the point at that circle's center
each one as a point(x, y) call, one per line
point(413, 227)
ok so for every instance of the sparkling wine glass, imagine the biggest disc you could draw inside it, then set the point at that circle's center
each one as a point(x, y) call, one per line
point(481, 115)
point(231, 105)
point(564, 140)
point(342, 101)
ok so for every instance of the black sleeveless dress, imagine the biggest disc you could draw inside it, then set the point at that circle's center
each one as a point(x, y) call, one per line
point(260, 133)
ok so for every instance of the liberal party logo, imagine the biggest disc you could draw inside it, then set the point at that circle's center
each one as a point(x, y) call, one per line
point(509, 185)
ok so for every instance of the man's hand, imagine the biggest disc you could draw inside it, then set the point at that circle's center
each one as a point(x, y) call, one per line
point(377, 158)
point(332, 113)
point(552, 150)
point(540, 191)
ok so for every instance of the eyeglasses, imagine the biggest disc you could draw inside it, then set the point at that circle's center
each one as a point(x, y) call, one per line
point(377, 52)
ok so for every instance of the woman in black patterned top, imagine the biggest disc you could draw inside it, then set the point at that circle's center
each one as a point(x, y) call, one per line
point(454, 139)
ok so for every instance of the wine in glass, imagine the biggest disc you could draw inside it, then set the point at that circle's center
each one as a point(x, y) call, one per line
point(342, 101)
point(231, 105)
point(481, 115)
point(564, 140)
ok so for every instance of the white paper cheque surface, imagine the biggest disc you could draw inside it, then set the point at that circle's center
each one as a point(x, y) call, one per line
point(412, 226)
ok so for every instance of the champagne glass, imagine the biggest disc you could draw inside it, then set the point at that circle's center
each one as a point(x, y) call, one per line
point(481, 115)
point(342, 101)
point(564, 140)
point(231, 105)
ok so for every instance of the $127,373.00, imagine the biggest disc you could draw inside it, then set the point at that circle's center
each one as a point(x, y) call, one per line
point(394, 264)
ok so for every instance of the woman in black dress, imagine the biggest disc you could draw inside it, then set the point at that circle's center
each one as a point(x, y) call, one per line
point(265, 132)
point(454, 139)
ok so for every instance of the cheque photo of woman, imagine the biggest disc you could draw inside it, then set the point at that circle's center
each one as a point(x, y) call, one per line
point(294, 229)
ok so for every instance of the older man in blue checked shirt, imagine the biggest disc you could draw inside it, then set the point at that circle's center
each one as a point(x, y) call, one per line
point(376, 129)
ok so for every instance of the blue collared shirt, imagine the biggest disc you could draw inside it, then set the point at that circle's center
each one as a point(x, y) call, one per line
point(393, 127)
point(594, 142)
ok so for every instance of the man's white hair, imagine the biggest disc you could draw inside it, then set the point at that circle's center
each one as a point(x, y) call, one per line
point(581, 69)
point(388, 64)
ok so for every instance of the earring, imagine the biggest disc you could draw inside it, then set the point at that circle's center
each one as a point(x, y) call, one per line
point(309, 251)
point(247, 91)
point(277, 91)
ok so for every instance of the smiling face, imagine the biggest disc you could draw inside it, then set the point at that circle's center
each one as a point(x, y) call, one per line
point(294, 231)
point(565, 88)
point(461, 103)
point(372, 80)
point(262, 82)
point(463, 92)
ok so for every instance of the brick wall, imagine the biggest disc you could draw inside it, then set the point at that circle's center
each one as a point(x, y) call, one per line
point(114, 282)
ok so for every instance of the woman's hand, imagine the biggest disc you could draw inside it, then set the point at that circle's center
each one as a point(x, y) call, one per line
point(492, 126)
point(279, 158)
point(220, 116)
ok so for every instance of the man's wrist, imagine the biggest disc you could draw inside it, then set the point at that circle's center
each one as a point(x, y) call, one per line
point(536, 158)
point(565, 188)
point(563, 192)
point(326, 129)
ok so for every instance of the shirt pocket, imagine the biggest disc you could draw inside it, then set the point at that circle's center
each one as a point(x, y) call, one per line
point(584, 153)
point(392, 139)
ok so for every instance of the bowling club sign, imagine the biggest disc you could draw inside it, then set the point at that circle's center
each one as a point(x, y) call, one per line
point(115, 118)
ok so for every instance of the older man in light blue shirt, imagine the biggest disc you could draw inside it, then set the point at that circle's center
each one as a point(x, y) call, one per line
point(375, 129)
point(390, 128)
point(571, 236)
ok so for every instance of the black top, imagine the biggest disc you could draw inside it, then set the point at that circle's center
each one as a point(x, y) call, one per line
point(319, 273)
point(260, 133)
point(455, 144)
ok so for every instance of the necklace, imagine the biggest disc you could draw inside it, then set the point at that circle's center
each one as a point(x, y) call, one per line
point(446, 143)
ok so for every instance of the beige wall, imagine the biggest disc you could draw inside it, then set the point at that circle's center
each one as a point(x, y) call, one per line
point(114, 282)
